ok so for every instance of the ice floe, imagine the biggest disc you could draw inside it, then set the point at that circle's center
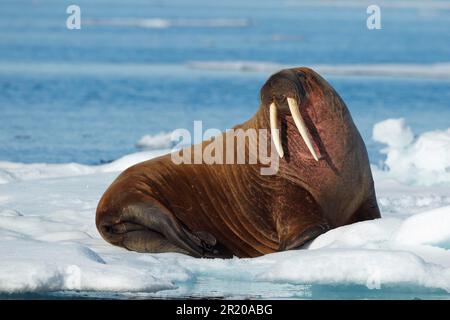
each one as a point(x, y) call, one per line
point(424, 160)
point(49, 242)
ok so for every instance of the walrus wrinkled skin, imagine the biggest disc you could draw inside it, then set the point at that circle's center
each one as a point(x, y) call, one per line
point(225, 210)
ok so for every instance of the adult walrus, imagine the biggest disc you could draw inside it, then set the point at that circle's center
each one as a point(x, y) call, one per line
point(220, 210)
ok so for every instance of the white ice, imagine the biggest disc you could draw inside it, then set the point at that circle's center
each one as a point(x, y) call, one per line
point(162, 140)
point(200, 68)
point(161, 23)
point(49, 243)
point(436, 70)
point(421, 161)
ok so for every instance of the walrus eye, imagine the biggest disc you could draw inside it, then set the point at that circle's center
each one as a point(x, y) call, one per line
point(274, 131)
point(293, 107)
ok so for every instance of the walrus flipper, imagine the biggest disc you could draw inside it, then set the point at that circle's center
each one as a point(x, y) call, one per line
point(307, 235)
point(153, 228)
point(149, 241)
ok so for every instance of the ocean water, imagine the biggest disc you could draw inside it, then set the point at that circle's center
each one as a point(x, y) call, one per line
point(88, 95)
point(142, 67)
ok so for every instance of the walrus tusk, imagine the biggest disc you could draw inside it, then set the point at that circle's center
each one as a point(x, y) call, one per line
point(274, 131)
point(293, 107)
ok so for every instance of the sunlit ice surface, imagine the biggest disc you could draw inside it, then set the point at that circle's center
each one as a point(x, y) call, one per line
point(79, 106)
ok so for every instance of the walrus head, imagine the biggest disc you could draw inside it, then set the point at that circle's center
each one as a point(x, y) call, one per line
point(299, 103)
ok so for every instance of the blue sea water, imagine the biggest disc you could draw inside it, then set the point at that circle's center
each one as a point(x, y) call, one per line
point(88, 95)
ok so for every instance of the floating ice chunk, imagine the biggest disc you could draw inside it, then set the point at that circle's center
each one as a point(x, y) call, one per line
point(393, 132)
point(30, 266)
point(130, 160)
point(10, 171)
point(55, 240)
point(366, 234)
point(435, 70)
point(421, 161)
point(245, 66)
point(372, 268)
point(432, 227)
point(161, 140)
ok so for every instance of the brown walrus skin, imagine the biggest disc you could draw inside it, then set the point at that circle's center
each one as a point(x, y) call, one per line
point(225, 210)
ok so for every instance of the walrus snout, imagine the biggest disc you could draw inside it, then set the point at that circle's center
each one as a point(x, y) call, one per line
point(280, 86)
point(282, 93)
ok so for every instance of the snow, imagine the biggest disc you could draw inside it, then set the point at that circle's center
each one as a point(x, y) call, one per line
point(10, 171)
point(49, 243)
point(372, 269)
point(422, 161)
point(68, 267)
point(436, 233)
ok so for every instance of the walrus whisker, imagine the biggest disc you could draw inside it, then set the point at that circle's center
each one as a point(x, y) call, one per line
point(275, 132)
point(301, 126)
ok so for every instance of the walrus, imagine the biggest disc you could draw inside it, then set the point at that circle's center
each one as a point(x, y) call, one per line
point(223, 210)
